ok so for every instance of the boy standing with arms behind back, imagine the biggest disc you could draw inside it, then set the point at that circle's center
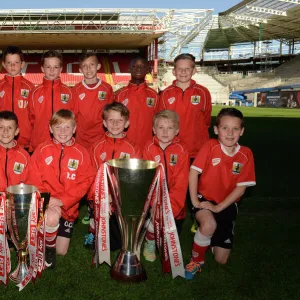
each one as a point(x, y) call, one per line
point(91, 95)
point(15, 91)
point(191, 101)
point(47, 98)
point(226, 169)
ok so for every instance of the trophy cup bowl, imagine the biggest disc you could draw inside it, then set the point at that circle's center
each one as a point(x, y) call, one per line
point(132, 179)
point(18, 204)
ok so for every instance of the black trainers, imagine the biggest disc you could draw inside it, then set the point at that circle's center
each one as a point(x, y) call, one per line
point(50, 257)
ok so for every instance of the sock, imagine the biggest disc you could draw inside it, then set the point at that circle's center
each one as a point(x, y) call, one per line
point(150, 232)
point(200, 245)
point(51, 235)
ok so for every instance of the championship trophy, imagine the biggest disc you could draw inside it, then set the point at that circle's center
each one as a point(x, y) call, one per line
point(130, 182)
point(25, 220)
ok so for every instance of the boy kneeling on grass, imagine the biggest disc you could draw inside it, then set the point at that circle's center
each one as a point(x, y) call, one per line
point(63, 168)
point(226, 169)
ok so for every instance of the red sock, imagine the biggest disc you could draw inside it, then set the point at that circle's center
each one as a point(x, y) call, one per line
point(150, 236)
point(198, 253)
point(51, 238)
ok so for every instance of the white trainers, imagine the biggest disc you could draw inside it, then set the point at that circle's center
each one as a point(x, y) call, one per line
point(149, 250)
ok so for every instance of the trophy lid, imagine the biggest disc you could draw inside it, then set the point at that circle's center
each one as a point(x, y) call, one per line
point(21, 189)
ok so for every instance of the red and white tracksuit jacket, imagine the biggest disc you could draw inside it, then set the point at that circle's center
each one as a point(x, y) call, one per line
point(14, 166)
point(14, 96)
point(64, 171)
point(176, 161)
point(89, 103)
point(142, 102)
point(46, 99)
point(111, 148)
point(194, 109)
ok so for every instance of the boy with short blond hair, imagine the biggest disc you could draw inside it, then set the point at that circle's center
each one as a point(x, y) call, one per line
point(166, 148)
point(191, 101)
point(14, 160)
point(47, 98)
point(63, 168)
point(90, 95)
point(15, 91)
point(113, 145)
point(226, 169)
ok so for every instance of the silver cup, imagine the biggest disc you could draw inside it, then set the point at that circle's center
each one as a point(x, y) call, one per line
point(133, 178)
point(18, 203)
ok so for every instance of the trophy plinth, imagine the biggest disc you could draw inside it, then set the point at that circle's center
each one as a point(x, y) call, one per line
point(131, 181)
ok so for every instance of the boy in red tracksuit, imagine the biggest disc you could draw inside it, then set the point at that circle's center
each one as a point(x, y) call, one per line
point(90, 95)
point(226, 169)
point(15, 91)
point(191, 101)
point(63, 168)
point(166, 148)
point(47, 98)
point(14, 160)
point(113, 145)
point(141, 100)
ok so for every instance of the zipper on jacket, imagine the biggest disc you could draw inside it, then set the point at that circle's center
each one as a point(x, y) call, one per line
point(166, 168)
point(6, 161)
point(13, 94)
point(60, 158)
point(52, 97)
point(113, 153)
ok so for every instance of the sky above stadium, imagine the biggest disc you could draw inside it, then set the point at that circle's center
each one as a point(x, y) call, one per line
point(217, 5)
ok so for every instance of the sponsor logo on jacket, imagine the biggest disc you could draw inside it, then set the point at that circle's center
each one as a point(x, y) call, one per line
point(171, 100)
point(173, 159)
point(150, 101)
point(125, 102)
point(237, 168)
point(24, 93)
point(101, 95)
point(41, 99)
point(64, 98)
point(103, 156)
point(157, 158)
point(2, 93)
point(215, 161)
point(73, 164)
point(48, 160)
point(81, 96)
point(195, 99)
point(18, 167)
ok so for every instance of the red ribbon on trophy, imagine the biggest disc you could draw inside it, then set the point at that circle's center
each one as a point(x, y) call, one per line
point(4, 250)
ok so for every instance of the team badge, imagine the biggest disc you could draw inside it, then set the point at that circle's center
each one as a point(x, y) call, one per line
point(103, 156)
point(173, 159)
point(18, 168)
point(124, 155)
point(195, 100)
point(157, 158)
point(41, 99)
point(49, 160)
point(22, 103)
point(237, 168)
point(64, 98)
point(125, 102)
point(171, 100)
point(101, 95)
point(73, 164)
point(215, 161)
point(24, 93)
point(81, 96)
point(2, 93)
point(150, 101)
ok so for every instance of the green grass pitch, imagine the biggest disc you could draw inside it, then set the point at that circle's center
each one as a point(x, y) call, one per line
point(264, 262)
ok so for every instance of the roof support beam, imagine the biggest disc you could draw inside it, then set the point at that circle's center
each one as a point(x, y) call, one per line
point(291, 1)
point(265, 10)
point(248, 18)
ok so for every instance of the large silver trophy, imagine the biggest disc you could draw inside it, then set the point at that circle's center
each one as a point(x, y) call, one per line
point(18, 203)
point(130, 185)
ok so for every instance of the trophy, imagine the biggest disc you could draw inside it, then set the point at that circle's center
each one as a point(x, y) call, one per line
point(21, 216)
point(129, 185)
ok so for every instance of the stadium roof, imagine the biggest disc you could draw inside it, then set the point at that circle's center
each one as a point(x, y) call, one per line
point(100, 28)
point(251, 21)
